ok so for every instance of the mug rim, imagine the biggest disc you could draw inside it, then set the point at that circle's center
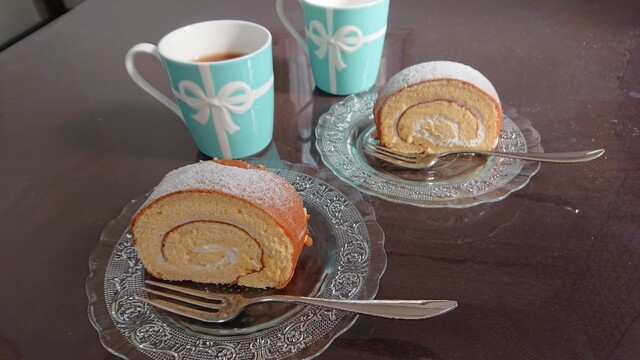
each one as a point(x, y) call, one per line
point(319, 4)
point(163, 40)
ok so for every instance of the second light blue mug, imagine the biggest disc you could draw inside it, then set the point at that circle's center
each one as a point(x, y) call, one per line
point(344, 40)
point(221, 74)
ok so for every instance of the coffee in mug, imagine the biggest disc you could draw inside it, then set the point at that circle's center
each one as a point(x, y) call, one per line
point(218, 57)
point(221, 76)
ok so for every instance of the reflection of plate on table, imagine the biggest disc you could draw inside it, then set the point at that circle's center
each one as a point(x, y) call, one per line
point(346, 261)
point(456, 182)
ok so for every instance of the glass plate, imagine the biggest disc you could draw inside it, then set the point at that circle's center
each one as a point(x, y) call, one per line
point(346, 261)
point(455, 182)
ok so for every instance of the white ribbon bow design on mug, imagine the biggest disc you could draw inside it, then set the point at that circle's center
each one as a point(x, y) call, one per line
point(347, 39)
point(234, 97)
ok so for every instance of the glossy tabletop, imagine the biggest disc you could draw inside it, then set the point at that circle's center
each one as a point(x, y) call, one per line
point(550, 272)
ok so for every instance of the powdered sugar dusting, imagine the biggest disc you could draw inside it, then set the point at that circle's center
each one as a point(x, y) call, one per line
point(259, 186)
point(437, 70)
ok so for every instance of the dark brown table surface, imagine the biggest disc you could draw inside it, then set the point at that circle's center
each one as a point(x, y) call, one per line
point(550, 272)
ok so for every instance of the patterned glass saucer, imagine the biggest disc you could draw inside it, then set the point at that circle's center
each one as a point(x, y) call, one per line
point(346, 261)
point(456, 182)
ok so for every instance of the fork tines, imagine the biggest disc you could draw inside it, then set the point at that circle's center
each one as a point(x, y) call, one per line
point(212, 303)
point(388, 154)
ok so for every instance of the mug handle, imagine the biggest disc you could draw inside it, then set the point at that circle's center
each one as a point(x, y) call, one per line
point(129, 63)
point(287, 24)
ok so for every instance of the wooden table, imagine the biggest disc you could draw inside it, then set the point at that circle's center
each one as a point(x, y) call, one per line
point(550, 272)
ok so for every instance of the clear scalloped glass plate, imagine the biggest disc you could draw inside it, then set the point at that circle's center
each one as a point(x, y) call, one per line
point(345, 262)
point(455, 182)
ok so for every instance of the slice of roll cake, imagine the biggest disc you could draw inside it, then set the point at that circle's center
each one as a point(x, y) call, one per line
point(438, 106)
point(222, 222)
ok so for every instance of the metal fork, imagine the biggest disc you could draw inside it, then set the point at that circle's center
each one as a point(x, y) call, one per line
point(218, 308)
point(423, 161)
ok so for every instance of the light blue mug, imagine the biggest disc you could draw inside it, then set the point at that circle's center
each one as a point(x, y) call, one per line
point(344, 40)
point(221, 74)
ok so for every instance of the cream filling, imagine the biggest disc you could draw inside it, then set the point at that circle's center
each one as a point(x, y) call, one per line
point(421, 127)
point(230, 256)
point(425, 128)
point(213, 251)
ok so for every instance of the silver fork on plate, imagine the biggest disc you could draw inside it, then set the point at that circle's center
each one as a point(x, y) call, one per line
point(217, 308)
point(424, 161)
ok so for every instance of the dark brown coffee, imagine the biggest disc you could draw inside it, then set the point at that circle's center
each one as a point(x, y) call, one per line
point(218, 57)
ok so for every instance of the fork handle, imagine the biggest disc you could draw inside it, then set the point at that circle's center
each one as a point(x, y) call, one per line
point(393, 309)
point(558, 157)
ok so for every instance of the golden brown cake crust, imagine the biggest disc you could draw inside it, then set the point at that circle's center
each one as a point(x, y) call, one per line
point(254, 185)
point(432, 125)
point(380, 104)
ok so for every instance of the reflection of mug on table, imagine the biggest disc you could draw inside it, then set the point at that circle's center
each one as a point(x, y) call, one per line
point(221, 74)
point(344, 40)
